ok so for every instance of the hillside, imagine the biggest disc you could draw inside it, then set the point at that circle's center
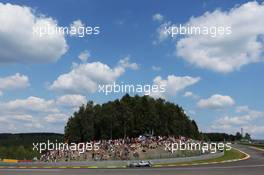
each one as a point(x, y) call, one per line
point(19, 146)
point(129, 117)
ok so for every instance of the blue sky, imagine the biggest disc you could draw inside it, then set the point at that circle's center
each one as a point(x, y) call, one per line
point(222, 91)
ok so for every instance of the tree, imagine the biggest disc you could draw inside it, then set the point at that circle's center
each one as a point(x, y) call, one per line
point(218, 137)
point(129, 117)
point(238, 136)
point(247, 136)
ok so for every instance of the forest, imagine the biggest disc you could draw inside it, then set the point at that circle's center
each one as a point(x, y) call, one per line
point(129, 117)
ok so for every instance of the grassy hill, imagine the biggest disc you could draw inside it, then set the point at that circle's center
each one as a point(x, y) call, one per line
point(19, 146)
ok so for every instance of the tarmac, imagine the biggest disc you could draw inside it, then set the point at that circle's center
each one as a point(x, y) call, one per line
point(253, 165)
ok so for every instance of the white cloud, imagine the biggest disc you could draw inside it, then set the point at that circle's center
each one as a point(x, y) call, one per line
point(125, 63)
point(236, 120)
point(243, 109)
point(30, 104)
point(33, 113)
point(216, 101)
point(40, 105)
point(161, 30)
point(34, 125)
point(223, 53)
point(12, 82)
point(76, 24)
point(2, 120)
point(226, 53)
point(173, 84)
point(83, 56)
point(56, 118)
point(235, 125)
point(17, 122)
point(156, 68)
point(247, 110)
point(158, 17)
point(255, 129)
point(84, 78)
point(6, 127)
point(71, 100)
point(191, 95)
point(19, 43)
point(188, 94)
point(244, 119)
point(23, 117)
point(191, 112)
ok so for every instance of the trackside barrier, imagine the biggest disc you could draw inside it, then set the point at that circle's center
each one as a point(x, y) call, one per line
point(19, 161)
point(10, 161)
point(120, 162)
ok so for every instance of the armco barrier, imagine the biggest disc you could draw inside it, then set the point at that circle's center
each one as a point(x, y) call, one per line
point(10, 161)
point(123, 163)
point(24, 161)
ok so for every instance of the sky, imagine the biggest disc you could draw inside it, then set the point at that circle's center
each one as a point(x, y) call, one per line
point(217, 80)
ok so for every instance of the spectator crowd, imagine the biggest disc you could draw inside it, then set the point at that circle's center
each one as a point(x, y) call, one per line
point(142, 147)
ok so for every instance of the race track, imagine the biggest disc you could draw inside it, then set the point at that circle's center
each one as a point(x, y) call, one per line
point(252, 166)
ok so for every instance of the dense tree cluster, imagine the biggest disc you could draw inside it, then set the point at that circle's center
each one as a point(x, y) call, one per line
point(26, 139)
point(129, 117)
point(19, 146)
point(218, 137)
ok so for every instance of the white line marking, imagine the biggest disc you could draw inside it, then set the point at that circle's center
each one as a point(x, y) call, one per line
point(32, 170)
point(225, 167)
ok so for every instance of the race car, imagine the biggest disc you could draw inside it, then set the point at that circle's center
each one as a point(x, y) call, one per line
point(138, 164)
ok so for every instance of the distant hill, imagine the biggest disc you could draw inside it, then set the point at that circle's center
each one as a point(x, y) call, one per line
point(129, 117)
point(219, 137)
point(20, 146)
point(26, 139)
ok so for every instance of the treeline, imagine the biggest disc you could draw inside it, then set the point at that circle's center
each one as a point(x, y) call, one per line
point(129, 117)
point(19, 146)
point(18, 152)
point(26, 139)
point(218, 137)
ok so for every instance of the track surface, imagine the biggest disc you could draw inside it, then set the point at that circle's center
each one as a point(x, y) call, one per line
point(252, 166)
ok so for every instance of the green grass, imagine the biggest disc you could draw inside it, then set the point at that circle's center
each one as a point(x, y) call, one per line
point(254, 145)
point(228, 155)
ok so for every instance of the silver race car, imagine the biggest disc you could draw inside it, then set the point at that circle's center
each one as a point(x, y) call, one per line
point(139, 164)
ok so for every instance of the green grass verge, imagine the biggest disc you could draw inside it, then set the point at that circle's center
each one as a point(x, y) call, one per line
point(254, 145)
point(228, 155)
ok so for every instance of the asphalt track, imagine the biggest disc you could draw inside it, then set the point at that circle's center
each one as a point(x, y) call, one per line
point(252, 166)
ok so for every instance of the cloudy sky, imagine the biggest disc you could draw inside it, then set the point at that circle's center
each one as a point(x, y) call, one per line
point(218, 80)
